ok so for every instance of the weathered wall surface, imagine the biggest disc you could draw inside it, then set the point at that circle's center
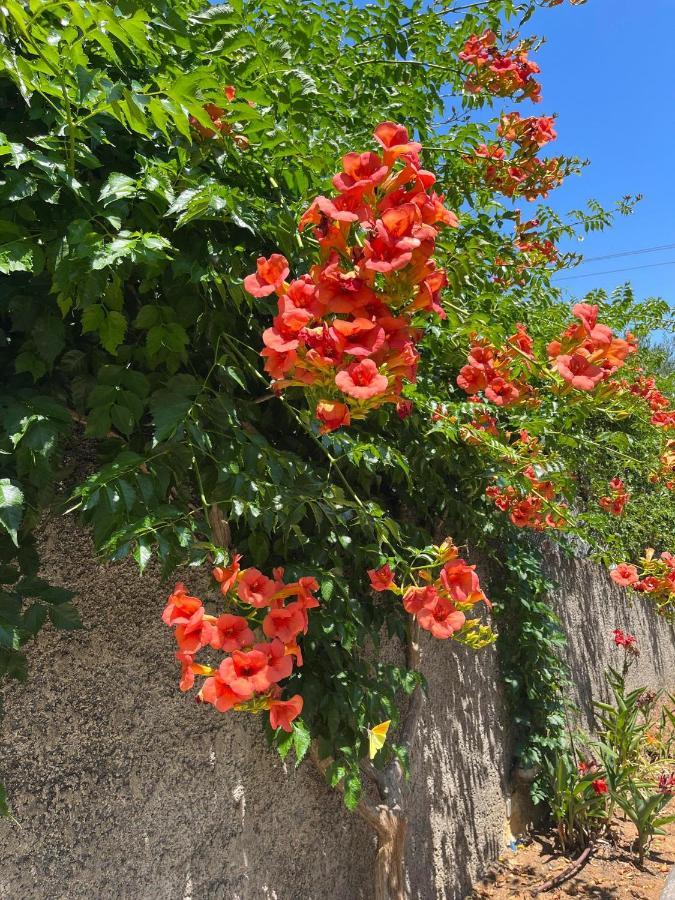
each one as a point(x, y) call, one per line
point(123, 788)
point(461, 762)
point(590, 606)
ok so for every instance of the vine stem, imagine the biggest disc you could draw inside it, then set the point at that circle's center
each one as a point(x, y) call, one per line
point(70, 124)
point(566, 874)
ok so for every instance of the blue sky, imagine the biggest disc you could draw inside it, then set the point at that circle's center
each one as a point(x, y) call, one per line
point(607, 71)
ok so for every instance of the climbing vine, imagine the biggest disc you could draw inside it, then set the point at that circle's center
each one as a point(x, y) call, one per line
point(531, 643)
point(277, 303)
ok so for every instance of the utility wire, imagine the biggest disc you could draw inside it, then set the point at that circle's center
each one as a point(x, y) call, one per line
point(613, 271)
point(627, 253)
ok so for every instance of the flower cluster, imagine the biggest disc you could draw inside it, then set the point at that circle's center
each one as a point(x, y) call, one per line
point(502, 74)
point(533, 252)
point(618, 497)
point(218, 116)
point(526, 176)
point(599, 785)
point(666, 784)
point(664, 419)
point(662, 416)
point(532, 503)
point(585, 767)
point(344, 332)
point(588, 353)
point(249, 675)
point(529, 241)
point(441, 602)
point(529, 132)
point(534, 509)
point(523, 173)
point(655, 578)
point(482, 424)
point(501, 375)
point(627, 641)
point(537, 252)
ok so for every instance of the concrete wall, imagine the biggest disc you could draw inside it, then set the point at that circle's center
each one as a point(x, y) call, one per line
point(590, 607)
point(123, 788)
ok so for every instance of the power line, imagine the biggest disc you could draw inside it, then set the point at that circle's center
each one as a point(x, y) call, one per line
point(613, 271)
point(627, 253)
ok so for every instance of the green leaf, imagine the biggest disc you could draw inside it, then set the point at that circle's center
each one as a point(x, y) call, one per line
point(49, 337)
point(117, 187)
point(147, 316)
point(284, 742)
point(168, 413)
point(8, 574)
point(30, 363)
point(9, 637)
point(32, 586)
point(112, 330)
point(218, 14)
point(12, 664)
point(10, 608)
point(142, 553)
point(259, 547)
point(20, 256)
point(122, 418)
point(353, 789)
point(11, 508)
point(301, 740)
point(335, 773)
point(92, 318)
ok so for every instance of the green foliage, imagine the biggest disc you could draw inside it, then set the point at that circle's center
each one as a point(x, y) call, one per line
point(621, 731)
point(628, 768)
point(577, 810)
point(125, 333)
point(643, 806)
point(630, 772)
point(628, 446)
point(529, 644)
point(125, 328)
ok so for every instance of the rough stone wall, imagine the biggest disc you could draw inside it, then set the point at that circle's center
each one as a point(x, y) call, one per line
point(461, 762)
point(122, 788)
point(590, 606)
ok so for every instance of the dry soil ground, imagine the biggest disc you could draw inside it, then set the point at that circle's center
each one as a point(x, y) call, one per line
point(611, 873)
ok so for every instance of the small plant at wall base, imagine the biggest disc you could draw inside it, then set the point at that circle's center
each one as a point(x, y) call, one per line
point(626, 766)
point(577, 794)
point(237, 274)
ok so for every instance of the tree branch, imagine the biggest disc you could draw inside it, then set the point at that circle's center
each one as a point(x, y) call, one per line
point(413, 658)
point(369, 813)
point(219, 527)
point(566, 874)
